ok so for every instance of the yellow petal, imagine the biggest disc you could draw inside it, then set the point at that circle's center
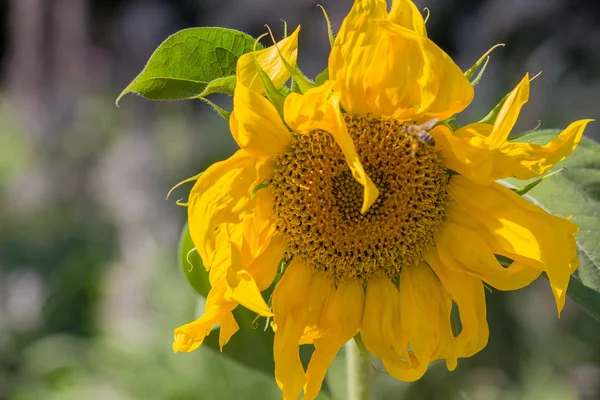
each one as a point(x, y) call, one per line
point(190, 336)
point(425, 316)
point(509, 113)
point(290, 317)
point(321, 291)
point(383, 334)
point(468, 294)
point(381, 330)
point(270, 62)
point(415, 284)
point(517, 274)
point(264, 267)
point(407, 370)
point(220, 258)
point(289, 373)
point(405, 13)
point(255, 124)
point(242, 289)
point(483, 154)
point(217, 311)
point(389, 70)
point(260, 229)
point(292, 287)
point(254, 271)
point(460, 155)
point(472, 150)
point(464, 250)
point(221, 195)
point(319, 109)
point(220, 209)
point(525, 232)
point(474, 130)
point(227, 328)
point(528, 160)
point(341, 321)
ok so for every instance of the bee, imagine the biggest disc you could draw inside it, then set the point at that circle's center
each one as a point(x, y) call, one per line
point(422, 131)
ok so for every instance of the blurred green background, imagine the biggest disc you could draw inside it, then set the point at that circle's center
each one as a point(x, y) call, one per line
point(90, 289)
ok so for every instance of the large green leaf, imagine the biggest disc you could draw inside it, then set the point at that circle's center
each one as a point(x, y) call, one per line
point(189, 60)
point(575, 191)
point(252, 345)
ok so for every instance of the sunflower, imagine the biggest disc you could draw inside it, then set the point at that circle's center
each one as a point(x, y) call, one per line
point(367, 218)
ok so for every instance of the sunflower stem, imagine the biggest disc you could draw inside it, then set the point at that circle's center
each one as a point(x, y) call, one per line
point(358, 373)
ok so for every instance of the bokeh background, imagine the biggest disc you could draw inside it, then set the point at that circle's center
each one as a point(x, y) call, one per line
point(90, 289)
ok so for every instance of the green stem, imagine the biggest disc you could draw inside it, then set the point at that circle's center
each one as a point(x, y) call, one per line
point(358, 373)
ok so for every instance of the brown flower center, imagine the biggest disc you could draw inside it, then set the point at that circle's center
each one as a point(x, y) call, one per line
point(318, 202)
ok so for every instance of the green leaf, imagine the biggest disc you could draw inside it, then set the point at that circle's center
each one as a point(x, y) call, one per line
point(252, 345)
point(575, 192)
point(220, 85)
point(189, 60)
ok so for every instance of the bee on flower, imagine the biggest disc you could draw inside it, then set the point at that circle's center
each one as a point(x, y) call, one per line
point(381, 215)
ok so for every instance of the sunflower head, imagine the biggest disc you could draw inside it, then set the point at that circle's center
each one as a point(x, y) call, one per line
point(370, 212)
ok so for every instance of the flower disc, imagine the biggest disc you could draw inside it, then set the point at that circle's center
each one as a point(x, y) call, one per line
point(318, 201)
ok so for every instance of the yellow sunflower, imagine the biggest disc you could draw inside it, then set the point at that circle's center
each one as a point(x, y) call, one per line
point(368, 224)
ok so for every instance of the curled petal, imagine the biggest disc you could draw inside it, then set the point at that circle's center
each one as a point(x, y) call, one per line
point(341, 321)
point(509, 113)
point(264, 267)
point(290, 316)
point(256, 125)
point(518, 274)
point(468, 294)
point(523, 231)
point(269, 61)
point(406, 14)
point(236, 278)
point(471, 254)
point(319, 109)
point(217, 311)
point(527, 160)
point(242, 289)
point(482, 152)
point(381, 329)
point(384, 65)
point(222, 195)
point(425, 314)
point(260, 229)
point(254, 269)
point(322, 290)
